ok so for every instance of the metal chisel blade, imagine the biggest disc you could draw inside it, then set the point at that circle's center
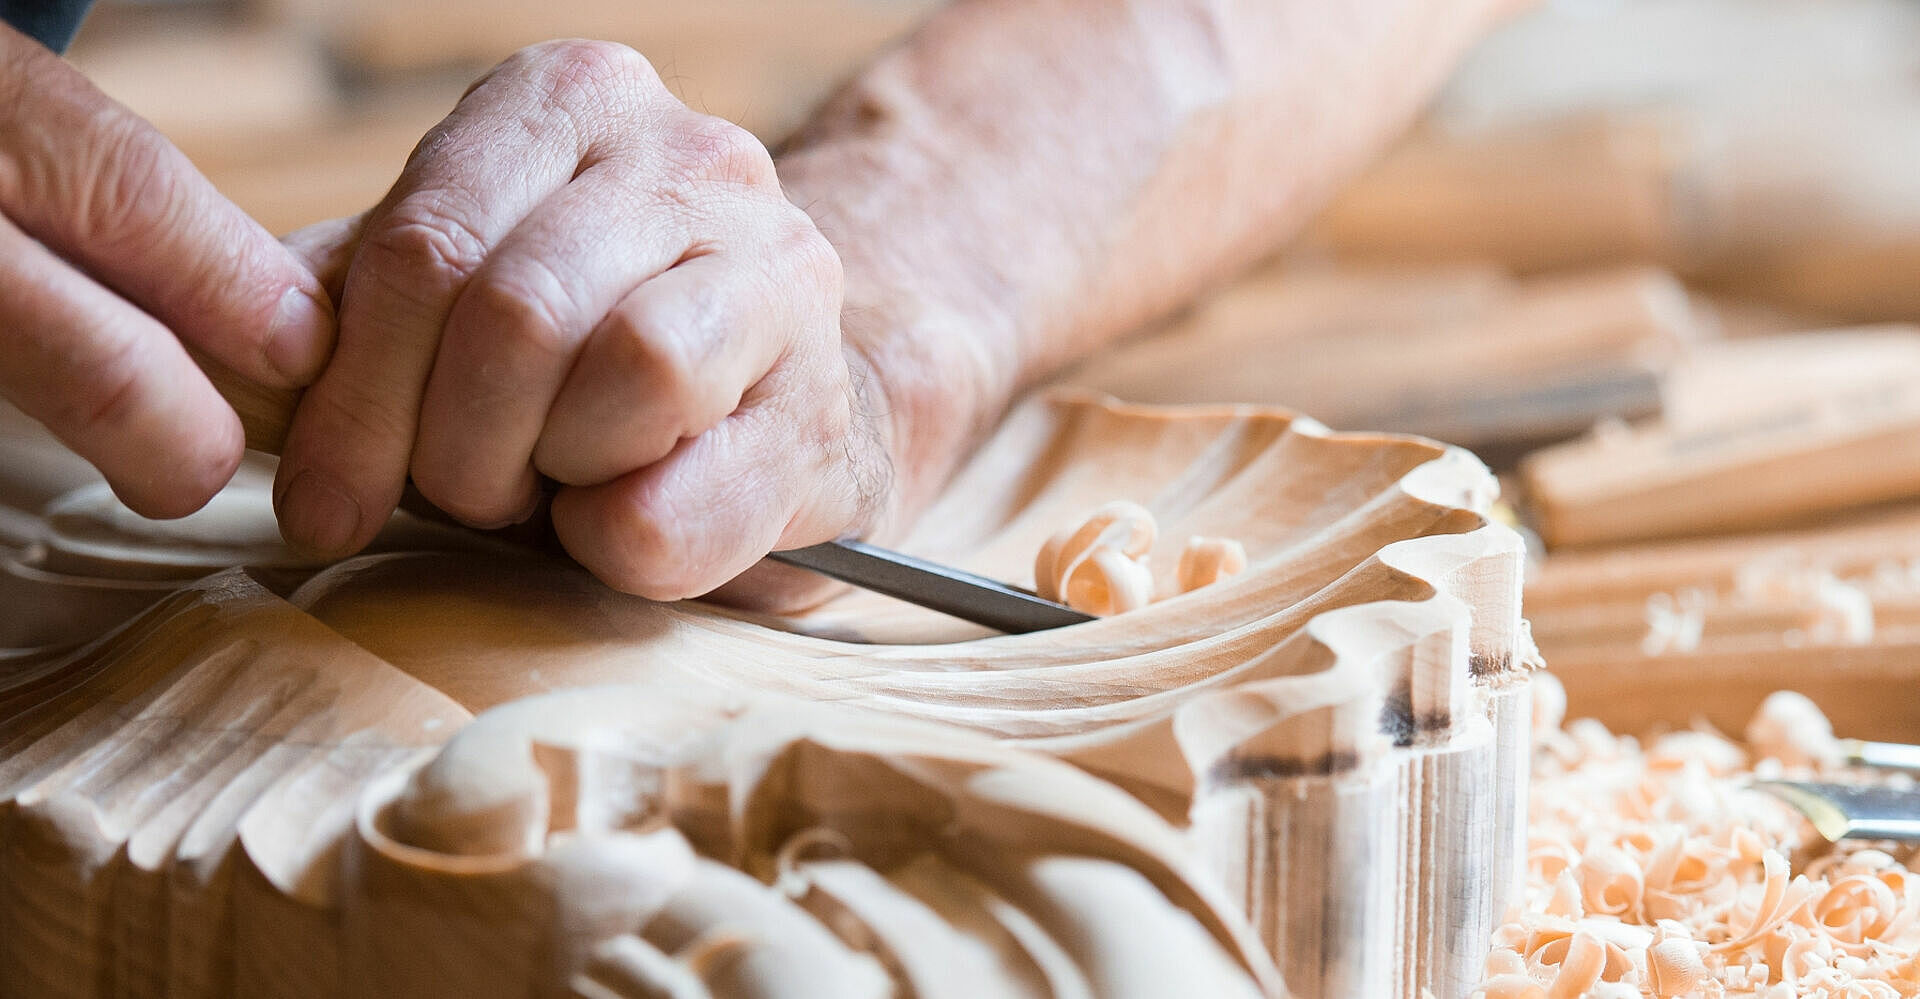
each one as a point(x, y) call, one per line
point(1852, 811)
point(934, 586)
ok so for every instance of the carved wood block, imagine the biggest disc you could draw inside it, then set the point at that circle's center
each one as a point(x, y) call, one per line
point(245, 793)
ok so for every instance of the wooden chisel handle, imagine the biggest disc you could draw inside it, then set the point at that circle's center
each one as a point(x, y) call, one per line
point(266, 413)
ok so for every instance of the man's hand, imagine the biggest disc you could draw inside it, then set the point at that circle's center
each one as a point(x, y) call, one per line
point(115, 256)
point(577, 277)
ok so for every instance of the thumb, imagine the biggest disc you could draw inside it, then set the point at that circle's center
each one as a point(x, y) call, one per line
point(327, 249)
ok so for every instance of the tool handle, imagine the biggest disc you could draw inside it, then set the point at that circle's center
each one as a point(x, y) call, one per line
point(265, 413)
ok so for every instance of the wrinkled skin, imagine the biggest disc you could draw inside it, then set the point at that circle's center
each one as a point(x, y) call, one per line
point(579, 283)
point(578, 278)
point(116, 256)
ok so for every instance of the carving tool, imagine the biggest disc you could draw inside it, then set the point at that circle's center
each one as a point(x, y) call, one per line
point(266, 413)
point(1858, 811)
point(1851, 811)
point(934, 586)
point(1885, 755)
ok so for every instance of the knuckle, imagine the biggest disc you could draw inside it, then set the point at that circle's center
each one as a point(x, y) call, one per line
point(107, 399)
point(826, 440)
point(650, 338)
point(22, 66)
point(625, 548)
point(601, 60)
point(366, 418)
point(128, 188)
point(716, 149)
point(663, 565)
point(557, 457)
point(571, 70)
point(836, 417)
point(652, 567)
point(425, 238)
point(523, 312)
point(469, 498)
point(814, 257)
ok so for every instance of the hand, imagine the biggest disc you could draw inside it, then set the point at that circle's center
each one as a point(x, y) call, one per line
point(116, 257)
point(577, 277)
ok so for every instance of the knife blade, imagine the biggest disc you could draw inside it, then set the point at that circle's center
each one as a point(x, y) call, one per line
point(951, 591)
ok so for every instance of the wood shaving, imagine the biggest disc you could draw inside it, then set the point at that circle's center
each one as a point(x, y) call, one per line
point(1790, 728)
point(1101, 565)
point(1653, 871)
point(1206, 561)
point(1812, 607)
point(1675, 621)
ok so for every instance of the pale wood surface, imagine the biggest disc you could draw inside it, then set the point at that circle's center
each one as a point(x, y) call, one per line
point(1780, 443)
point(1424, 350)
point(1025, 798)
point(1663, 633)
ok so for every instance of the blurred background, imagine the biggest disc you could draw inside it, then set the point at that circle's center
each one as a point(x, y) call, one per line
point(302, 110)
point(1654, 260)
point(1756, 148)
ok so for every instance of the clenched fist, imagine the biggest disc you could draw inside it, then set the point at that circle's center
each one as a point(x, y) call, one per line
point(578, 278)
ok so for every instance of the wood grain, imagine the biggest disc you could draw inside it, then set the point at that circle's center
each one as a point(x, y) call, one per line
point(657, 794)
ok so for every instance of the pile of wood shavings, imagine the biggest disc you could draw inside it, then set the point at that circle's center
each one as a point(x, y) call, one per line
point(1654, 871)
point(1099, 565)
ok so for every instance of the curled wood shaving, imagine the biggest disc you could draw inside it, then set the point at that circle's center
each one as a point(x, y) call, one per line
point(807, 844)
point(1792, 729)
point(1206, 561)
point(1653, 871)
point(1101, 564)
point(1675, 967)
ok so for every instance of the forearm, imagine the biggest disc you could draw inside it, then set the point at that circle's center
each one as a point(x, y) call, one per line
point(1023, 180)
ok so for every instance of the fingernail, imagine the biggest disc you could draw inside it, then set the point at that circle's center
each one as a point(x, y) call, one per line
point(317, 516)
point(301, 336)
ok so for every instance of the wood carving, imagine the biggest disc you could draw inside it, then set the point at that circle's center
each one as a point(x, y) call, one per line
point(458, 773)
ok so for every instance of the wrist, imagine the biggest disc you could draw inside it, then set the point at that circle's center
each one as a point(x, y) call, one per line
point(933, 356)
point(933, 391)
